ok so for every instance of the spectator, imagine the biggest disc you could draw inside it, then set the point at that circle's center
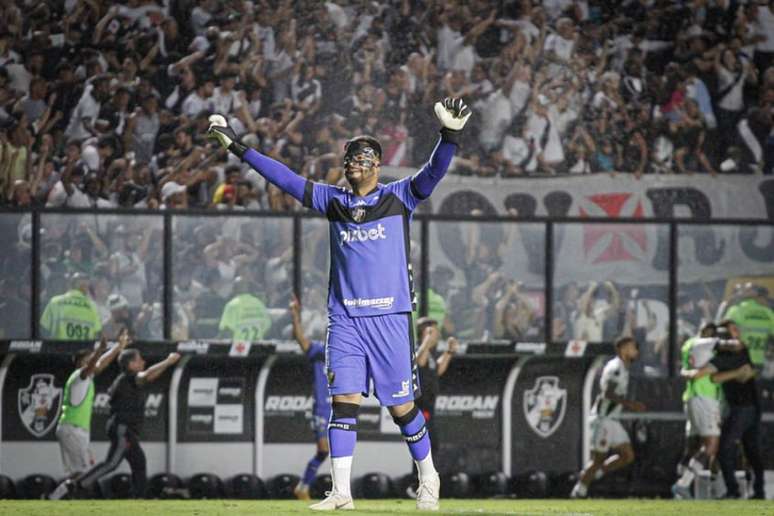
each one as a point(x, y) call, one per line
point(72, 315)
point(245, 316)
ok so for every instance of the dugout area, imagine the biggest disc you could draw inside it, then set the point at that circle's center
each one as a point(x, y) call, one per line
point(509, 422)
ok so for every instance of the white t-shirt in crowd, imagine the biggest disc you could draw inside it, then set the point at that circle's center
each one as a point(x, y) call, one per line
point(225, 102)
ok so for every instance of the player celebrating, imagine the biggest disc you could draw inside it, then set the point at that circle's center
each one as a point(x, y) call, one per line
point(370, 338)
point(702, 408)
point(321, 410)
point(124, 427)
point(607, 433)
point(74, 429)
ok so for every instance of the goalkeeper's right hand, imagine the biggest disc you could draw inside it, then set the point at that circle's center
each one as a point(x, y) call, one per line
point(220, 130)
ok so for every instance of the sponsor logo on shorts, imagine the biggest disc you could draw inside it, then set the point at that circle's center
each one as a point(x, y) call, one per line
point(383, 303)
point(479, 407)
point(404, 389)
point(351, 236)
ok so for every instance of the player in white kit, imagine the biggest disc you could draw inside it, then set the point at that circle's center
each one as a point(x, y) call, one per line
point(607, 433)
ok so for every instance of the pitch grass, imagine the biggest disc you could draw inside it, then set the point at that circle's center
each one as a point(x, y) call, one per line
point(374, 507)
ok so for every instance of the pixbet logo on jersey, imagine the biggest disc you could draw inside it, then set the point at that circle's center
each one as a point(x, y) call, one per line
point(350, 236)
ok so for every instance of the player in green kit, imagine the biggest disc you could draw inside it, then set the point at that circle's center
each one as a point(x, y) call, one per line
point(755, 321)
point(701, 399)
point(74, 428)
point(72, 315)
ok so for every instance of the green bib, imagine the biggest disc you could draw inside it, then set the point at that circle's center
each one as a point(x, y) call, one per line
point(756, 324)
point(77, 415)
point(704, 386)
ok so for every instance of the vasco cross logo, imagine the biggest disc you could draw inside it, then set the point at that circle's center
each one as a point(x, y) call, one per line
point(40, 404)
point(544, 405)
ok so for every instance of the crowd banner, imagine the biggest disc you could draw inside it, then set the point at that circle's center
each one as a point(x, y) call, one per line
point(636, 253)
point(599, 195)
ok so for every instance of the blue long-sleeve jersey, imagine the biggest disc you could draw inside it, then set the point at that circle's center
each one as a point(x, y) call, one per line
point(369, 235)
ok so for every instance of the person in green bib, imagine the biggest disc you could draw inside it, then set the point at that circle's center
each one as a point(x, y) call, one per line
point(755, 320)
point(74, 429)
point(72, 315)
point(244, 317)
point(701, 399)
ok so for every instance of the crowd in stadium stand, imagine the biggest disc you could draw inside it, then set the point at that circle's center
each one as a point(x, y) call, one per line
point(105, 103)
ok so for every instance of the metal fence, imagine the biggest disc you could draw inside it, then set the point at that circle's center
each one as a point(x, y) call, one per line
point(171, 275)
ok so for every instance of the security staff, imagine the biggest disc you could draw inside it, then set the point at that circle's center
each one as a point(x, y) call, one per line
point(734, 370)
point(72, 315)
point(124, 427)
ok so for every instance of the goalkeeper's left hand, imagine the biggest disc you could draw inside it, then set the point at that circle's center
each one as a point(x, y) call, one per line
point(220, 131)
point(453, 113)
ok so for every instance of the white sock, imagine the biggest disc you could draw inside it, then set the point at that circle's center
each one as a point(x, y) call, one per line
point(694, 467)
point(341, 468)
point(425, 466)
point(581, 489)
point(59, 492)
point(599, 474)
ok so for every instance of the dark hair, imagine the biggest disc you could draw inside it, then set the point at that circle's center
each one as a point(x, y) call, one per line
point(710, 329)
point(361, 142)
point(80, 355)
point(623, 341)
point(126, 357)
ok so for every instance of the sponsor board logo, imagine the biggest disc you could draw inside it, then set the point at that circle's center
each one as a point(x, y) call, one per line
point(544, 405)
point(40, 404)
point(205, 419)
point(536, 348)
point(479, 407)
point(193, 346)
point(240, 348)
point(383, 303)
point(28, 346)
point(575, 348)
point(153, 404)
point(228, 419)
point(231, 392)
point(352, 236)
point(288, 403)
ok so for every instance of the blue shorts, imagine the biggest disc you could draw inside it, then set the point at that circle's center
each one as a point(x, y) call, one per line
point(377, 349)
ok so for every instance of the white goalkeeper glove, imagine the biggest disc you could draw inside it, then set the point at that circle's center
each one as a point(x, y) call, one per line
point(220, 131)
point(453, 113)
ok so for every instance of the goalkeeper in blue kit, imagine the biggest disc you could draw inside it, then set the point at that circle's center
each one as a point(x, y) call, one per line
point(370, 298)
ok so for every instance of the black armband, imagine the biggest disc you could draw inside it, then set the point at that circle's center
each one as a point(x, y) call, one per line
point(451, 136)
point(237, 149)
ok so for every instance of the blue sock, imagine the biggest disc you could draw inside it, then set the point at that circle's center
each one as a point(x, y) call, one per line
point(342, 437)
point(312, 466)
point(414, 430)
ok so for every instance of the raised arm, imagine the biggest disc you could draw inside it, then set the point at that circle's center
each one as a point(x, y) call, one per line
point(151, 374)
point(91, 365)
point(106, 358)
point(453, 114)
point(275, 172)
point(298, 330)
